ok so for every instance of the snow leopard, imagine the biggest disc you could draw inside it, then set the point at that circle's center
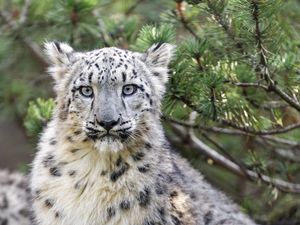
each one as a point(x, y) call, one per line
point(103, 159)
point(14, 199)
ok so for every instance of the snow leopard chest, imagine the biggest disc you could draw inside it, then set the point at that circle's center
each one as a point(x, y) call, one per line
point(81, 193)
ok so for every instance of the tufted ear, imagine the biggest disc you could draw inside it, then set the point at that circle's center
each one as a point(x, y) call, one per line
point(60, 55)
point(157, 59)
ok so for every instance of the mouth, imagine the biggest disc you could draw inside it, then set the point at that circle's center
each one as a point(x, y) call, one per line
point(107, 136)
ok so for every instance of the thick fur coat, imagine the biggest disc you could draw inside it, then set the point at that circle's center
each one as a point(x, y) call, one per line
point(104, 159)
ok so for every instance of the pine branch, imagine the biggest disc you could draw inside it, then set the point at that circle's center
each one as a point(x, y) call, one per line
point(247, 85)
point(101, 27)
point(262, 68)
point(239, 130)
point(222, 21)
point(212, 100)
point(224, 162)
point(213, 129)
point(261, 132)
point(133, 7)
point(295, 104)
point(292, 155)
point(227, 155)
point(184, 22)
point(24, 12)
point(293, 144)
point(32, 46)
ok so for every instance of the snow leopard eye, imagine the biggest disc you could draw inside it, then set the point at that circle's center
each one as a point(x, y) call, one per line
point(86, 91)
point(129, 89)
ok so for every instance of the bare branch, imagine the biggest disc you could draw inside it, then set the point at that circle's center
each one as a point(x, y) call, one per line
point(133, 7)
point(295, 104)
point(239, 129)
point(101, 27)
point(223, 22)
point(283, 141)
point(184, 22)
point(261, 132)
point(24, 12)
point(220, 130)
point(246, 85)
point(32, 46)
point(290, 154)
point(262, 68)
point(219, 159)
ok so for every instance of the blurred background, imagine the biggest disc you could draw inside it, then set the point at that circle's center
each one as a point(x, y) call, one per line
point(232, 106)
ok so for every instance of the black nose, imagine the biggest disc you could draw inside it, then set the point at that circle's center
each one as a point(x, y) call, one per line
point(108, 125)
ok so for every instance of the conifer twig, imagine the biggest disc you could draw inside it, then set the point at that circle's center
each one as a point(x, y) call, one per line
point(261, 132)
point(283, 141)
point(240, 130)
point(32, 46)
point(24, 12)
point(262, 68)
point(224, 162)
point(132, 7)
point(246, 85)
point(219, 18)
point(288, 154)
point(101, 27)
point(184, 22)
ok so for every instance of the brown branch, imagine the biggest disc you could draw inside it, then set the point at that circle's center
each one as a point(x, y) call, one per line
point(262, 68)
point(261, 132)
point(248, 85)
point(288, 154)
point(24, 12)
point(220, 130)
point(226, 26)
point(133, 7)
point(220, 160)
point(292, 145)
point(274, 88)
point(292, 155)
point(32, 46)
point(239, 130)
point(229, 156)
point(184, 22)
point(101, 26)
point(284, 96)
point(283, 141)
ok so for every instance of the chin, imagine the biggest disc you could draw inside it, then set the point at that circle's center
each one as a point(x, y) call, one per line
point(109, 144)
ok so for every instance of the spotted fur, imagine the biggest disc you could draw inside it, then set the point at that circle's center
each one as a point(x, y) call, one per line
point(14, 199)
point(104, 160)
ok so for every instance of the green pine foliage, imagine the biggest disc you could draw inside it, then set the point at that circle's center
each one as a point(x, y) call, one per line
point(237, 65)
point(39, 113)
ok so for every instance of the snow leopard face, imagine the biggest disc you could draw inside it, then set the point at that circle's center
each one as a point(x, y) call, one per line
point(109, 94)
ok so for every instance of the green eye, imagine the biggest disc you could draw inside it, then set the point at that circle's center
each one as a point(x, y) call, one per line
point(129, 89)
point(86, 91)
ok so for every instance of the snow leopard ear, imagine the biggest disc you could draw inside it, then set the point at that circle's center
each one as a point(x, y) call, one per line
point(157, 58)
point(60, 56)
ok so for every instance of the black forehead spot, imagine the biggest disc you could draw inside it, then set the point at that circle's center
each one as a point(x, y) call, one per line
point(90, 77)
point(124, 76)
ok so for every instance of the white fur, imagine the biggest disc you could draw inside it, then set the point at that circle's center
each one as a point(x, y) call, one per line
point(14, 199)
point(158, 180)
